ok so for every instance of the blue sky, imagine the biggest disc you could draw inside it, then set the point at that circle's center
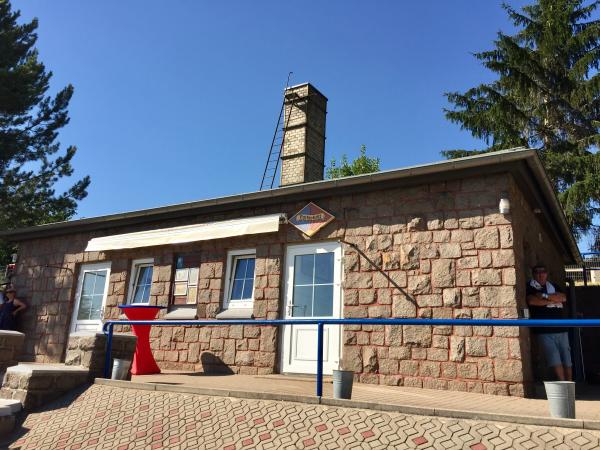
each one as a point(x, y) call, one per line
point(177, 101)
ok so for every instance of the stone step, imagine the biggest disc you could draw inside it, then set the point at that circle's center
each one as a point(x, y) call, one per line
point(14, 406)
point(11, 345)
point(34, 384)
point(8, 410)
point(29, 367)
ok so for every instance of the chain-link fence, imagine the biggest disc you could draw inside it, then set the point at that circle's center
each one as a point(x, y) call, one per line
point(588, 273)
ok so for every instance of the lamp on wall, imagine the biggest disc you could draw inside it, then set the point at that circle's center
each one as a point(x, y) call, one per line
point(504, 205)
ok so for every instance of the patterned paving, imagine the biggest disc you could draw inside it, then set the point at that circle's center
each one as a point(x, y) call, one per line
point(587, 395)
point(107, 417)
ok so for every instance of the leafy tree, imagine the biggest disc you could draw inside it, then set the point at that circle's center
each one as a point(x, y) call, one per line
point(30, 163)
point(361, 165)
point(546, 96)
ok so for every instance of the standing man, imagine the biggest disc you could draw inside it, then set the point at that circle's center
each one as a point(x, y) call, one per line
point(546, 301)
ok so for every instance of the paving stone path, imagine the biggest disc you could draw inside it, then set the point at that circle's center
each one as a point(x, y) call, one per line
point(107, 417)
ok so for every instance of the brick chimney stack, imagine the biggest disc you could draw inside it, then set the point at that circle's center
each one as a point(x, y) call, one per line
point(303, 153)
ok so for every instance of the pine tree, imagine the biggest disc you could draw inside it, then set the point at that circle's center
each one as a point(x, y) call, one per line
point(30, 163)
point(361, 165)
point(546, 96)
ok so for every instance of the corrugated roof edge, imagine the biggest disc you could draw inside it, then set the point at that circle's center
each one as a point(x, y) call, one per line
point(485, 159)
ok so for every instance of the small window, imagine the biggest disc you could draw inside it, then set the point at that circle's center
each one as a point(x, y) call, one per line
point(185, 284)
point(141, 281)
point(240, 279)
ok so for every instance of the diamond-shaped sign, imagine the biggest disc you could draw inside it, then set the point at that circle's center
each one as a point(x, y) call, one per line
point(311, 219)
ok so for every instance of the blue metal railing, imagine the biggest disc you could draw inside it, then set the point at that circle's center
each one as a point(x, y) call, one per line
point(320, 323)
point(586, 254)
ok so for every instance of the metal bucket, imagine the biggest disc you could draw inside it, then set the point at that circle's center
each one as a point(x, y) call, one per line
point(342, 383)
point(120, 370)
point(561, 398)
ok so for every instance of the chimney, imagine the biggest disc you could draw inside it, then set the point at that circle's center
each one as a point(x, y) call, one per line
point(303, 153)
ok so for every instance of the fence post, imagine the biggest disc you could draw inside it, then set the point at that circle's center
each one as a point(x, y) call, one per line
point(320, 359)
point(575, 334)
point(107, 356)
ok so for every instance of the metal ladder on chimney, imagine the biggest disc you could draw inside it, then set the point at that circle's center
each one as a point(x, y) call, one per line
point(270, 172)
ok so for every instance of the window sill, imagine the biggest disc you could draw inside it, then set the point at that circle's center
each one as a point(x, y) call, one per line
point(236, 313)
point(181, 313)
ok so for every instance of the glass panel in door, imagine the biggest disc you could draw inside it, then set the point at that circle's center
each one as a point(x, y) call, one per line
point(92, 296)
point(313, 285)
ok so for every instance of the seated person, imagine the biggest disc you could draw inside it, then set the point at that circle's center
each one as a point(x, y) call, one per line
point(546, 301)
point(9, 309)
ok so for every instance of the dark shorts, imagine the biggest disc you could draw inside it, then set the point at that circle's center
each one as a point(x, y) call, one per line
point(557, 350)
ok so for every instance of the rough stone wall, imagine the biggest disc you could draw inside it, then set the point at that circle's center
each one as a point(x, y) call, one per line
point(247, 350)
point(452, 253)
point(237, 349)
point(45, 279)
point(533, 244)
point(443, 243)
point(89, 350)
point(11, 345)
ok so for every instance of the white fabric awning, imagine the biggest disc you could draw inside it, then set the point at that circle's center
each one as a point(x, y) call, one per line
point(187, 233)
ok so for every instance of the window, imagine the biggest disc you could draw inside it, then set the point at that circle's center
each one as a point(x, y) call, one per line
point(240, 279)
point(141, 281)
point(185, 284)
point(313, 285)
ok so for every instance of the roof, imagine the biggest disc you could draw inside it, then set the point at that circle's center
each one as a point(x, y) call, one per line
point(524, 164)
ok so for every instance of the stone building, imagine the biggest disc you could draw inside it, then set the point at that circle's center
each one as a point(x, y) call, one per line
point(435, 230)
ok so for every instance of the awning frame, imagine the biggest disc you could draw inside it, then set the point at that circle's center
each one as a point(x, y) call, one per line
point(188, 233)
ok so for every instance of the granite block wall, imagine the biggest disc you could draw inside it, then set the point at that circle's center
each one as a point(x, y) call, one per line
point(443, 243)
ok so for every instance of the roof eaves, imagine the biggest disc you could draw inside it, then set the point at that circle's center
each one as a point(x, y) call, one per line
point(482, 160)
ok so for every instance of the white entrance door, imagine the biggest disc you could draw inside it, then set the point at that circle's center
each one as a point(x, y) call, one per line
point(92, 288)
point(313, 290)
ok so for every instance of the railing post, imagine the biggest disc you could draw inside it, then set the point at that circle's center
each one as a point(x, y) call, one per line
point(320, 327)
point(107, 356)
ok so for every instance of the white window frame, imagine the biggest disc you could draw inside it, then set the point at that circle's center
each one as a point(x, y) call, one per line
point(232, 256)
point(135, 265)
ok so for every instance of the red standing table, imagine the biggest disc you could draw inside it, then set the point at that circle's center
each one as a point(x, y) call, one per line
point(143, 360)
